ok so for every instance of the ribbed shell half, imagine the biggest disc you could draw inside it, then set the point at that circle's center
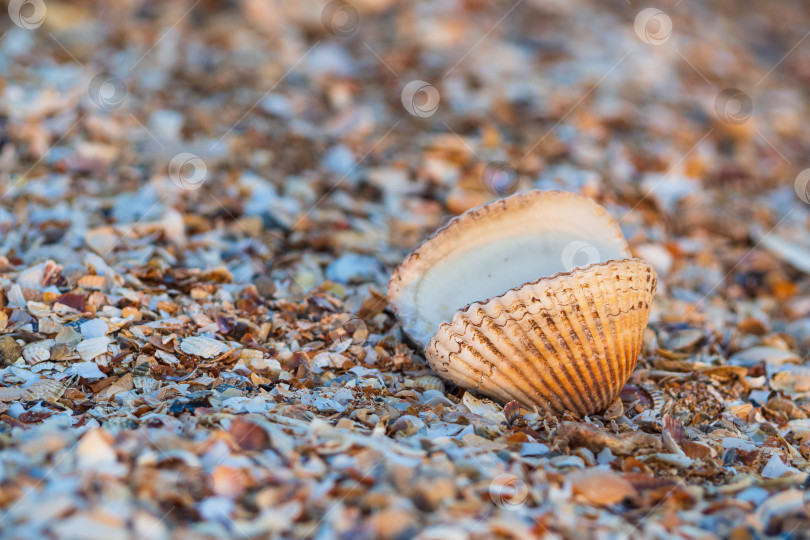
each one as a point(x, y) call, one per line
point(568, 342)
point(505, 304)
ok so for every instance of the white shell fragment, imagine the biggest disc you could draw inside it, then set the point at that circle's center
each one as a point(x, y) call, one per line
point(775, 468)
point(484, 407)
point(531, 298)
point(86, 370)
point(38, 351)
point(94, 328)
point(203, 346)
point(91, 348)
point(49, 326)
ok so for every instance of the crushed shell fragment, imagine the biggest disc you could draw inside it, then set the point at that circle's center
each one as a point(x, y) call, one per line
point(429, 382)
point(92, 348)
point(92, 282)
point(45, 389)
point(203, 346)
point(37, 352)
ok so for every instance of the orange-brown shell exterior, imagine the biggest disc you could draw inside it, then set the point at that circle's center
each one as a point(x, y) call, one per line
point(567, 342)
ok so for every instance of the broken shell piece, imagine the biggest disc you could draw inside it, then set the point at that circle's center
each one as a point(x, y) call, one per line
point(429, 382)
point(92, 282)
point(91, 348)
point(248, 355)
point(407, 425)
point(49, 326)
point(144, 379)
point(10, 393)
point(101, 240)
point(512, 412)
point(38, 351)
point(68, 336)
point(657, 398)
point(483, 407)
point(141, 370)
point(615, 410)
point(792, 379)
point(602, 487)
point(203, 346)
point(10, 350)
point(507, 303)
point(45, 389)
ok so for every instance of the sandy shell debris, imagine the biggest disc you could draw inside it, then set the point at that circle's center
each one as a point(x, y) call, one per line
point(252, 173)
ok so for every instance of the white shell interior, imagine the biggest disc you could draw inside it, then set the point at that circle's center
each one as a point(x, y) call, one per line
point(500, 247)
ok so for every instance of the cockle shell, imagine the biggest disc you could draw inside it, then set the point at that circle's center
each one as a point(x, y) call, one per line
point(582, 324)
point(505, 303)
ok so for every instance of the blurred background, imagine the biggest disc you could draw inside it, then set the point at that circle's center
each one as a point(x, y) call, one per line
point(361, 126)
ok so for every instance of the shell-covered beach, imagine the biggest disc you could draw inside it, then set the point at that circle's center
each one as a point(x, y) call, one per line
point(202, 203)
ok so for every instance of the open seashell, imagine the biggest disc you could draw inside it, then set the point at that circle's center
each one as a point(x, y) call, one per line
point(533, 298)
